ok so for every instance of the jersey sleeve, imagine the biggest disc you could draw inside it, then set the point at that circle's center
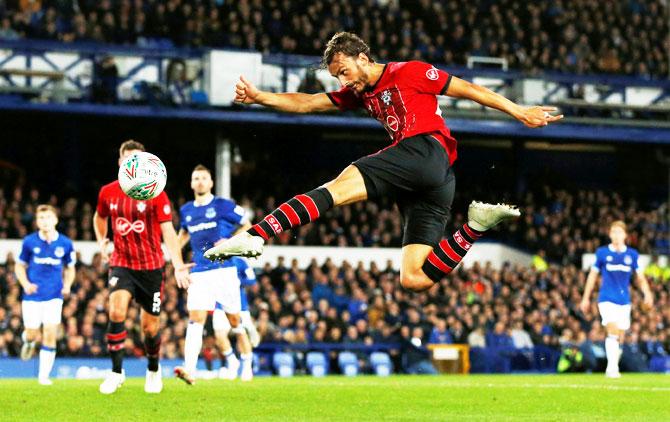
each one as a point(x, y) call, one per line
point(162, 208)
point(103, 204)
point(600, 261)
point(427, 79)
point(182, 218)
point(70, 258)
point(345, 99)
point(26, 253)
point(231, 212)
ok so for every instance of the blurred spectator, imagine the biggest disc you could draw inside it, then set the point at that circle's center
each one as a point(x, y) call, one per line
point(105, 81)
point(310, 84)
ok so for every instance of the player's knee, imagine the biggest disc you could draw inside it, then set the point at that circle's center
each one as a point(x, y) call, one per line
point(414, 282)
point(117, 314)
point(150, 328)
point(199, 317)
point(234, 320)
point(32, 334)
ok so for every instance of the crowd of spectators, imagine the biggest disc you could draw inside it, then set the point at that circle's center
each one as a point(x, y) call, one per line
point(513, 307)
point(557, 224)
point(580, 36)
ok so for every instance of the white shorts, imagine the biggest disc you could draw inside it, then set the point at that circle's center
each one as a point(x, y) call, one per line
point(613, 313)
point(208, 287)
point(37, 313)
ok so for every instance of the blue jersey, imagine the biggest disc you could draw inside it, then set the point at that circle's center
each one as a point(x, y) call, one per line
point(207, 224)
point(247, 278)
point(45, 262)
point(616, 269)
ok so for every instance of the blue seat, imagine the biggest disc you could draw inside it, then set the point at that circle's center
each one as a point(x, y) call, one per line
point(381, 363)
point(348, 363)
point(283, 363)
point(317, 365)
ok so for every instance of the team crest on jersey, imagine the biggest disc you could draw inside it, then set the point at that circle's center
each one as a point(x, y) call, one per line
point(627, 260)
point(36, 250)
point(141, 206)
point(59, 252)
point(392, 123)
point(432, 74)
point(188, 218)
point(386, 97)
point(210, 213)
point(609, 259)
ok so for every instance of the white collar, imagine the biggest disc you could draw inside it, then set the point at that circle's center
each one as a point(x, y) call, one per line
point(208, 201)
point(39, 233)
point(611, 247)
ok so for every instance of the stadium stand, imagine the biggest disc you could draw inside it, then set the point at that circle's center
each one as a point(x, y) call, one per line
point(582, 37)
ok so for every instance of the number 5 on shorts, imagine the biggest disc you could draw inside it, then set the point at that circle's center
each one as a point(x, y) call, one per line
point(157, 302)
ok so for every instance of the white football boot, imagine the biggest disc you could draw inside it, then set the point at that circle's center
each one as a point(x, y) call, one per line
point(483, 216)
point(254, 337)
point(232, 368)
point(45, 381)
point(154, 381)
point(113, 381)
point(247, 372)
point(242, 244)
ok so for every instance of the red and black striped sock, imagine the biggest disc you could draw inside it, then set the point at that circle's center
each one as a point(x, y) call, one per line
point(297, 211)
point(116, 337)
point(449, 252)
point(152, 348)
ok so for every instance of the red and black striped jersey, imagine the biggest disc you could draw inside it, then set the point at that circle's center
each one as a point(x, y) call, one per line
point(136, 227)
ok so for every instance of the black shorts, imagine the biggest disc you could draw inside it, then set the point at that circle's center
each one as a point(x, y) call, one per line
point(416, 174)
point(146, 286)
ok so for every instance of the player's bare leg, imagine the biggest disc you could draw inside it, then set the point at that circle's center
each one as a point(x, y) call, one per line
point(347, 188)
point(423, 266)
point(47, 353)
point(612, 351)
point(116, 337)
point(30, 337)
point(152, 344)
point(192, 346)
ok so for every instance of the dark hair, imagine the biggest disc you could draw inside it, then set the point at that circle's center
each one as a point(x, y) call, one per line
point(346, 43)
point(130, 145)
point(200, 167)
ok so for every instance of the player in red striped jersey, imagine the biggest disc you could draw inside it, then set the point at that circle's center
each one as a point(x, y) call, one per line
point(136, 269)
point(415, 170)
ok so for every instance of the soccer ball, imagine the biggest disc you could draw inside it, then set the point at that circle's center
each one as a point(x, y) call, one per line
point(142, 176)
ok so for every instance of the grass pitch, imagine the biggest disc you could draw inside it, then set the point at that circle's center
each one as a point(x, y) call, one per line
point(421, 398)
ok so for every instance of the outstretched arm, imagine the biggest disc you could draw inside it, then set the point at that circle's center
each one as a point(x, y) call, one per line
point(536, 116)
point(247, 93)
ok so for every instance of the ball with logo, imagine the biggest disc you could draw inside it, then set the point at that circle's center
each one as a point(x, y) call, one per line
point(142, 176)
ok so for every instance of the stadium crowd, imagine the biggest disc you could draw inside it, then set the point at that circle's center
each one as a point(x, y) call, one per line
point(509, 309)
point(558, 224)
point(580, 36)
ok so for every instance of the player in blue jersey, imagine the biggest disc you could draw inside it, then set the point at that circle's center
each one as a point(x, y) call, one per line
point(46, 271)
point(205, 221)
point(222, 326)
point(616, 263)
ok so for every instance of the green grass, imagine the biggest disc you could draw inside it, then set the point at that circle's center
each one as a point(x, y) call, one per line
point(528, 398)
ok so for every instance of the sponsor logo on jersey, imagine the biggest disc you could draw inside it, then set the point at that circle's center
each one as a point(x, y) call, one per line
point(59, 252)
point(141, 206)
point(392, 123)
point(202, 226)
point(46, 261)
point(618, 267)
point(432, 74)
point(210, 213)
point(123, 226)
